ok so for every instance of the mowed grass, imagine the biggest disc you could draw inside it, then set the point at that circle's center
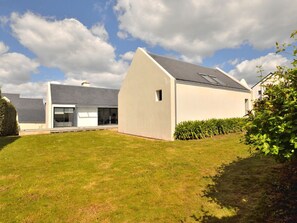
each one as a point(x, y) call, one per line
point(104, 176)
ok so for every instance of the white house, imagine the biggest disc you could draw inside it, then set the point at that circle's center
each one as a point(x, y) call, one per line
point(30, 111)
point(80, 106)
point(259, 88)
point(159, 92)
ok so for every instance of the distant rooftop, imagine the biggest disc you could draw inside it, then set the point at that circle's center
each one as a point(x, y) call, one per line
point(263, 79)
point(193, 73)
point(83, 96)
point(30, 110)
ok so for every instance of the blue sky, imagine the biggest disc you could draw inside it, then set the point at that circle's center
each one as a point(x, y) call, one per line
point(70, 41)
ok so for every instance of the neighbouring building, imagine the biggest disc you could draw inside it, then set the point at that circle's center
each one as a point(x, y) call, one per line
point(259, 88)
point(80, 106)
point(30, 111)
point(158, 93)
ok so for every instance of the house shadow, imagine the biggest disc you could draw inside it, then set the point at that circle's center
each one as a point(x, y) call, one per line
point(258, 188)
point(4, 141)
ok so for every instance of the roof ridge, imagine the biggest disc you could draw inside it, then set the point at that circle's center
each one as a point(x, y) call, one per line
point(181, 61)
point(67, 85)
point(263, 79)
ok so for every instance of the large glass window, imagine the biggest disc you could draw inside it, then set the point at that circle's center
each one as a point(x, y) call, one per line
point(107, 116)
point(63, 117)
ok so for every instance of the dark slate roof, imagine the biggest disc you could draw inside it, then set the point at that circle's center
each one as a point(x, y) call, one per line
point(193, 73)
point(11, 97)
point(30, 110)
point(84, 96)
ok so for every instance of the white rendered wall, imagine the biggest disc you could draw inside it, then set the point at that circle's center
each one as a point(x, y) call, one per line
point(256, 90)
point(261, 87)
point(28, 126)
point(139, 112)
point(201, 103)
point(87, 116)
point(48, 108)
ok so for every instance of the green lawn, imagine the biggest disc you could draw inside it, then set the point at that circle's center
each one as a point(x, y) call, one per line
point(104, 176)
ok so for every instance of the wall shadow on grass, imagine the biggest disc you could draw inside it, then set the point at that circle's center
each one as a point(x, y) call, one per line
point(259, 188)
point(4, 141)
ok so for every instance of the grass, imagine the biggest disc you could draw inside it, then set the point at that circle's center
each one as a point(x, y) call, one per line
point(104, 176)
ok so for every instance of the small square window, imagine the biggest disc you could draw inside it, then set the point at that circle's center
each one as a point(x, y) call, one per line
point(259, 92)
point(159, 95)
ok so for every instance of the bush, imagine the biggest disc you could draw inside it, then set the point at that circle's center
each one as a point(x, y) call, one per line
point(8, 123)
point(272, 126)
point(202, 129)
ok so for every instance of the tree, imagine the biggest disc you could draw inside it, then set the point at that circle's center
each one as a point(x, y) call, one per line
point(272, 125)
point(8, 122)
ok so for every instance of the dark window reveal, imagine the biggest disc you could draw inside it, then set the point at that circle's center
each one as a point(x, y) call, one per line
point(159, 95)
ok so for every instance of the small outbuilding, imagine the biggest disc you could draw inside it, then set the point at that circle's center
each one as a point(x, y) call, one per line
point(80, 106)
point(159, 92)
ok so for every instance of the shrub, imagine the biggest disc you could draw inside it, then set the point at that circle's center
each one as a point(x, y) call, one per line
point(202, 129)
point(8, 122)
point(272, 126)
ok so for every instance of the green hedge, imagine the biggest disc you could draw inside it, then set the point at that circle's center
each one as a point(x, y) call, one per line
point(8, 123)
point(208, 128)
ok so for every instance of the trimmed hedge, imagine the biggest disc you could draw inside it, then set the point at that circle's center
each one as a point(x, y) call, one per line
point(202, 129)
point(8, 122)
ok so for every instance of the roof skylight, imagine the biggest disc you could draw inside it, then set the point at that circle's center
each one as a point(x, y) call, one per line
point(209, 78)
point(212, 79)
point(219, 81)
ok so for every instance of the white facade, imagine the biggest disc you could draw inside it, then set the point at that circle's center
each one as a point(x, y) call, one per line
point(87, 116)
point(31, 126)
point(258, 91)
point(142, 113)
point(194, 102)
point(259, 88)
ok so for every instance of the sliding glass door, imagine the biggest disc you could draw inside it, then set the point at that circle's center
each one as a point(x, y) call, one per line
point(107, 116)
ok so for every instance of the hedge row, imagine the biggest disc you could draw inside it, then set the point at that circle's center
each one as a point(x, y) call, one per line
point(8, 123)
point(208, 128)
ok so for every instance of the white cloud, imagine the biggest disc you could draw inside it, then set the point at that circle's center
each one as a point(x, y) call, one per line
point(102, 6)
point(15, 67)
point(66, 44)
point(122, 35)
point(100, 31)
point(198, 28)
point(105, 79)
point(28, 89)
point(3, 48)
point(247, 69)
point(3, 20)
point(233, 61)
point(128, 56)
point(191, 59)
point(81, 53)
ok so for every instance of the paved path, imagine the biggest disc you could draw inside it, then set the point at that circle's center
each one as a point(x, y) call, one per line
point(65, 129)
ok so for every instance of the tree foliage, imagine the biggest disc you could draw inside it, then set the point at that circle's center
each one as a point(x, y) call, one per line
point(272, 126)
